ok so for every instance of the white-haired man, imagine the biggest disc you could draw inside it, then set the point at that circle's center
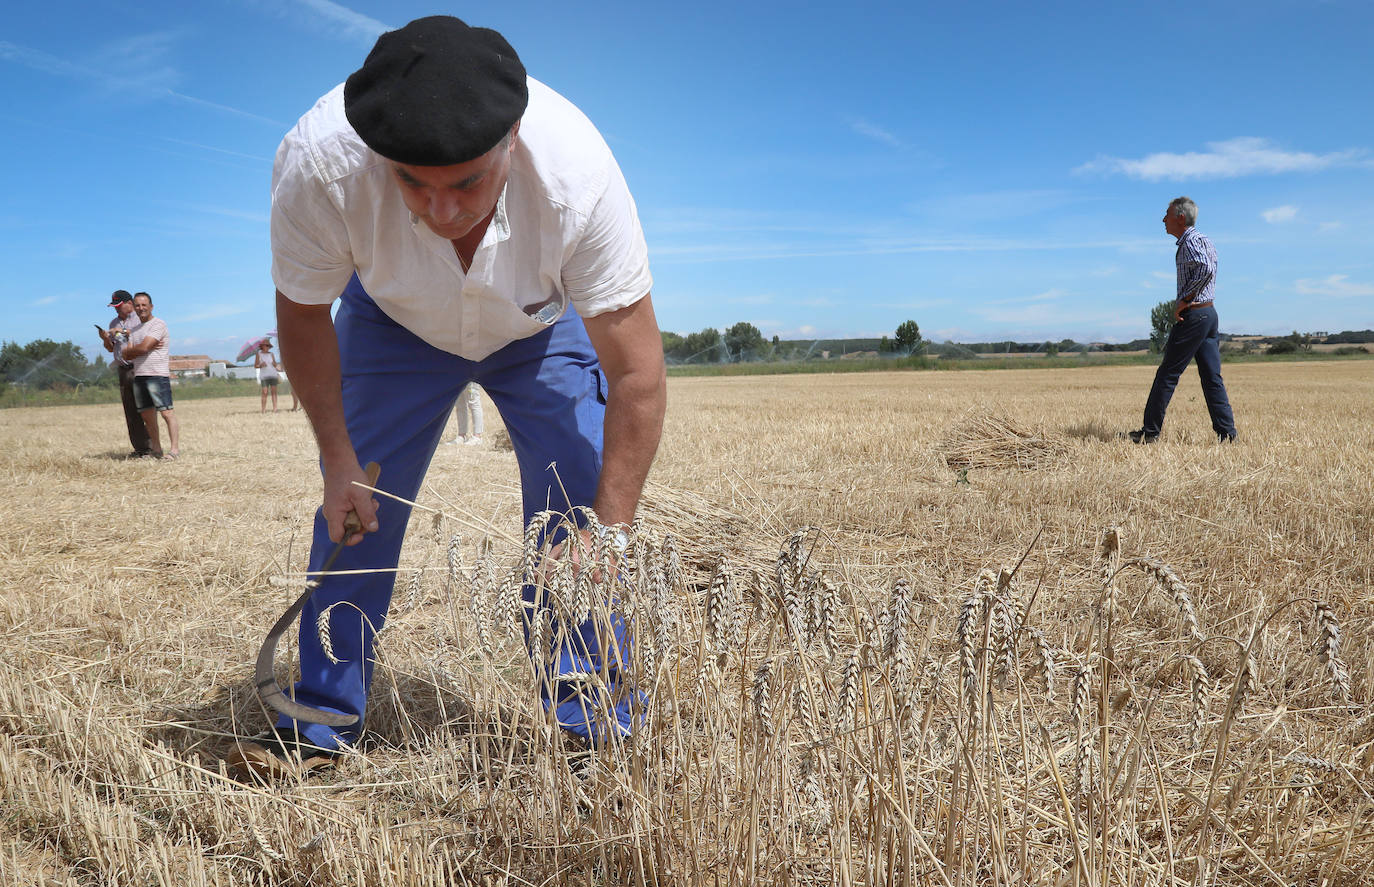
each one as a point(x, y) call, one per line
point(1195, 330)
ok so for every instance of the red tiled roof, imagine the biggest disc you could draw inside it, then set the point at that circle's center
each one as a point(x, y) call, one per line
point(182, 362)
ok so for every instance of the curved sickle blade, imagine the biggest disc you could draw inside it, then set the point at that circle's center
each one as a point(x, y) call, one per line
point(268, 690)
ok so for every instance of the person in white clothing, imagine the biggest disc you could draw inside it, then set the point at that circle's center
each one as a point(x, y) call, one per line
point(468, 412)
point(268, 377)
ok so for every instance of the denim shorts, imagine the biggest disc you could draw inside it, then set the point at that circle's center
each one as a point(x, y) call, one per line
point(152, 392)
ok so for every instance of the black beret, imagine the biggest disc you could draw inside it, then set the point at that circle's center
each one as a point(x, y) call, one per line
point(436, 92)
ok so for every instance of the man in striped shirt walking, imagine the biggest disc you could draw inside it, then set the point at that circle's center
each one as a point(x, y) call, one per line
point(1194, 334)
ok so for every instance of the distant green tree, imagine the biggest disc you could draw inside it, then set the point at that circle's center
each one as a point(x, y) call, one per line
point(672, 343)
point(1161, 321)
point(745, 342)
point(884, 345)
point(1282, 346)
point(703, 347)
point(1301, 340)
point(1051, 349)
point(44, 363)
point(908, 337)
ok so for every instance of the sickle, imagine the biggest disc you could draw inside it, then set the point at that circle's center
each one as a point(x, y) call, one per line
point(268, 690)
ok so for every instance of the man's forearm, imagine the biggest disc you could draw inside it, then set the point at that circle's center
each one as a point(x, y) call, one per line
point(633, 427)
point(306, 333)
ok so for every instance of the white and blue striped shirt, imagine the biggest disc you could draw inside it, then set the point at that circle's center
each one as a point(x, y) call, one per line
point(1197, 268)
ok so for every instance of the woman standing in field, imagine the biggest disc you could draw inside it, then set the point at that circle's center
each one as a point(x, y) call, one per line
point(266, 365)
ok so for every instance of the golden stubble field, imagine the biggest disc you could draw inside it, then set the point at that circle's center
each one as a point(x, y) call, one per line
point(1154, 697)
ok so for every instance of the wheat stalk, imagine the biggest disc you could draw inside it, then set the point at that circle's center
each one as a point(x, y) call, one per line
point(968, 660)
point(509, 606)
point(1201, 686)
point(1329, 649)
point(436, 528)
point(534, 531)
point(848, 700)
point(413, 589)
point(322, 630)
point(480, 589)
point(1168, 581)
point(762, 696)
point(1082, 693)
point(1044, 662)
point(263, 846)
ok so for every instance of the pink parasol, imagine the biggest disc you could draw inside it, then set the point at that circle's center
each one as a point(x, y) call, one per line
point(251, 346)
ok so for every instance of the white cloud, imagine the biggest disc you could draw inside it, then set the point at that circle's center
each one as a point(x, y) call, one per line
point(353, 24)
point(1329, 226)
point(1285, 213)
point(46, 300)
point(1246, 156)
point(875, 132)
point(1337, 286)
point(216, 106)
point(38, 61)
point(133, 67)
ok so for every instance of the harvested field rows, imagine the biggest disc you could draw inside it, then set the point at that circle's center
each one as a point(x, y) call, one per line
point(909, 628)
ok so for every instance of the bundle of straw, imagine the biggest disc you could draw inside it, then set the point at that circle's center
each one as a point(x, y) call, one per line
point(991, 440)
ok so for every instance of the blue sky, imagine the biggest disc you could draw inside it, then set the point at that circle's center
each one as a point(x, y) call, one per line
point(991, 171)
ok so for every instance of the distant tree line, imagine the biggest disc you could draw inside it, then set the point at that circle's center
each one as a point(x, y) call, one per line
point(743, 343)
point(1351, 337)
point(44, 364)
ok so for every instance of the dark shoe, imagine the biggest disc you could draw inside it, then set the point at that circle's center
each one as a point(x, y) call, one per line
point(276, 754)
point(1226, 438)
point(1140, 437)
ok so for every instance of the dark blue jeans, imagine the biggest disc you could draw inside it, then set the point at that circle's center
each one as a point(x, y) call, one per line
point(1193, 337)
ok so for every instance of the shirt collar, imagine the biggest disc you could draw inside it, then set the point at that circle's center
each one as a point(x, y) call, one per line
point(497, 231)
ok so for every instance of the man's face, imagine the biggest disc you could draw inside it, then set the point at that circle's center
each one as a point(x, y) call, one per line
point(452, 200)
point(143, 307)
point(124, 309)
point(1174, 224)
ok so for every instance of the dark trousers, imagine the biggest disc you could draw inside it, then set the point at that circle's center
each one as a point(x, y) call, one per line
point(1193, 337)
point(138, 432)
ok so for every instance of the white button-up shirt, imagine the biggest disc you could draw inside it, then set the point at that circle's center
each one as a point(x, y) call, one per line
point(565, 231)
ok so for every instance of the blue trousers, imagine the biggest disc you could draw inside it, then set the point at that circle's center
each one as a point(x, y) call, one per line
point(397, 392)
point(1193, 337)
